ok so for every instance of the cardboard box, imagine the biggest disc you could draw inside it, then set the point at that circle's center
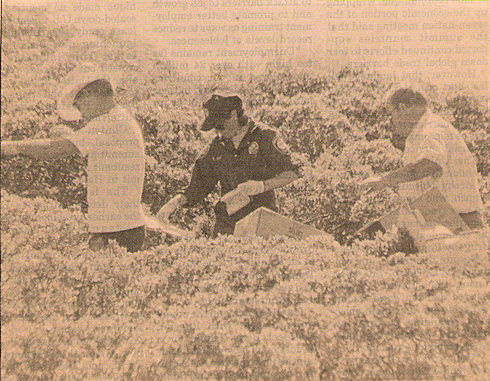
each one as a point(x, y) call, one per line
point(264, 222)
point(432, 206)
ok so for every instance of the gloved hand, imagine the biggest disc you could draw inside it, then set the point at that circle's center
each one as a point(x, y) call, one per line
point(167, 209)
point(252, 187)
point(165, 212)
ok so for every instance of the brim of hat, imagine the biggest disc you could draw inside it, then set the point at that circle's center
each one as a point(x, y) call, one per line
point(65, 102)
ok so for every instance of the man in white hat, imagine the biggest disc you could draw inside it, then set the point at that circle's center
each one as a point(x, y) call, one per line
point(113, 142)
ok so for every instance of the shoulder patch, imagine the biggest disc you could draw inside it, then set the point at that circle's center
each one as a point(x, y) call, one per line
point(280, 145)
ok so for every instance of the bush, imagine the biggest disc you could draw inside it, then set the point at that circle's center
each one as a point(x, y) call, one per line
point(267, 309)
point(332, 122)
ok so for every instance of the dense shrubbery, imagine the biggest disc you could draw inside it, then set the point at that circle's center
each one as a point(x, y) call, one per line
point(277, 309)
point(229, 308)
point(333, 123)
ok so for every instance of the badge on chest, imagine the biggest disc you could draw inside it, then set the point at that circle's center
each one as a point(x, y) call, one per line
point(253, 148)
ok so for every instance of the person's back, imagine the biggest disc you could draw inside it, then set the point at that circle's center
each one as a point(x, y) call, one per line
point(113, 142)
point(438, 139)
point(114, 145)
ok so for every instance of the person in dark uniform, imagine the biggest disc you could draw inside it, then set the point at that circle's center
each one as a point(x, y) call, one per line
point(243, 155)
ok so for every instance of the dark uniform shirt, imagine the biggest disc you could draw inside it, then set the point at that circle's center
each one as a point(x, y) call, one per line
point(260, 156)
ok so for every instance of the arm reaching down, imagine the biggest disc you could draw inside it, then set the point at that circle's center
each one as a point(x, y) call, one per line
point(412, 172)
point(171, 206)
point(281, 180)
point(44, 149)
point(407, 173)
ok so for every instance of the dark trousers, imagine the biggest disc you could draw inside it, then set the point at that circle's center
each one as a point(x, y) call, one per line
point(224, 224)
point(473, 220)
point(223, 227)
point(131, 239)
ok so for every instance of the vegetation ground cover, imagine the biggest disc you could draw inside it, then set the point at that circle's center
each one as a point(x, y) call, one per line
point(227, 308)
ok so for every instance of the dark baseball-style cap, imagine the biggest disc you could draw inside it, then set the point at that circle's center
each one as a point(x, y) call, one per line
point(219, 108)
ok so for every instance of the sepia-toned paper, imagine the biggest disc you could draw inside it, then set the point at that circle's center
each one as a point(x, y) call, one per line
point(268, 317)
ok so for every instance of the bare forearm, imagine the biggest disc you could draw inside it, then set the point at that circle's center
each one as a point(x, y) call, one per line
point(412, 172)
point(44, 149)
point(280, 180)
point(38, 149)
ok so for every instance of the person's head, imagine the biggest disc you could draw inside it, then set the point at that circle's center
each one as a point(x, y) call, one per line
point(95, 99)
point(88, 92)
point(225, 115)
point(406, 106)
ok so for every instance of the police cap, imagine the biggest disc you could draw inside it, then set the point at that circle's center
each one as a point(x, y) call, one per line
point(219, 108)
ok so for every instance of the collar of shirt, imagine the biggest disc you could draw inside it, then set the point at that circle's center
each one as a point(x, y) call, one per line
point(421, 124)
point(244, 143)
point(424, 119)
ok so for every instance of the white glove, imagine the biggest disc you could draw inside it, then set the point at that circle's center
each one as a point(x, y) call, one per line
point(167, 209)
point(252, 187)
point(165, 212)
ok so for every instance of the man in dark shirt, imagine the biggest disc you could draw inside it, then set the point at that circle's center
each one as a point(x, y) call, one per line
point(243, 155)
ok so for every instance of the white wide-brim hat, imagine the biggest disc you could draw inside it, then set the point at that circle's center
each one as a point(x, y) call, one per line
point(65, 107)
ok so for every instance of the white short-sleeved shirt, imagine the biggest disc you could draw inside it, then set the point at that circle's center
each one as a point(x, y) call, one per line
point(116, 170)
point(435, 139)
